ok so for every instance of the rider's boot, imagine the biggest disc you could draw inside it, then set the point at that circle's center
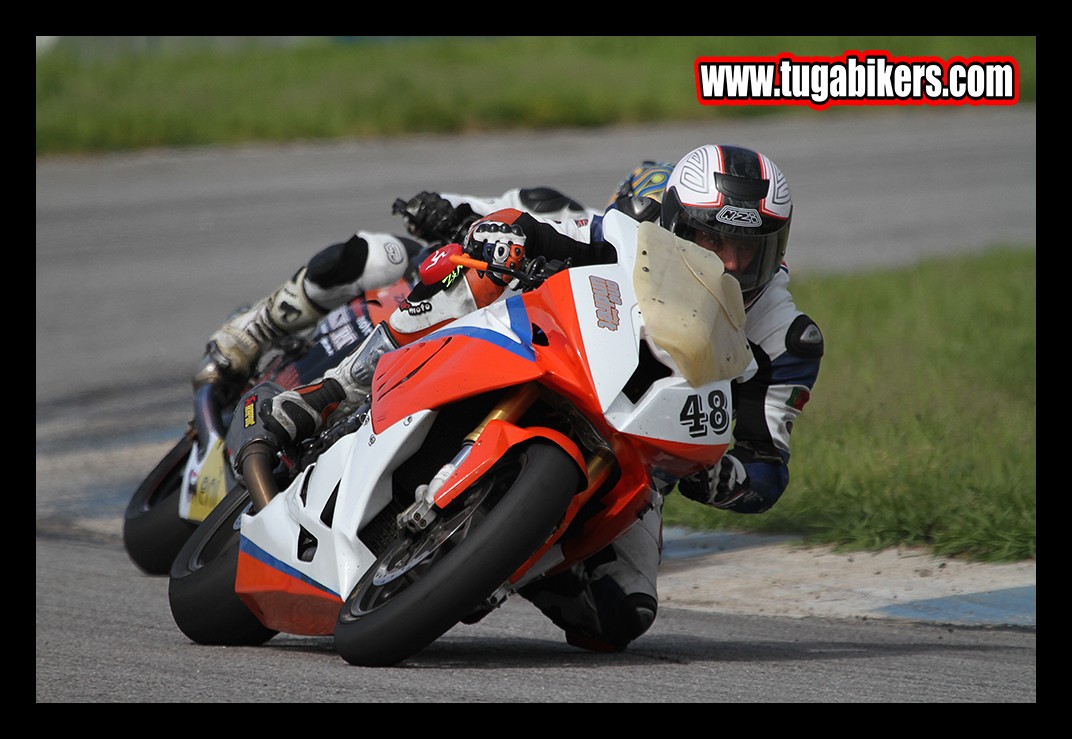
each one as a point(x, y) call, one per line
point(233, 350)
point(609, 600)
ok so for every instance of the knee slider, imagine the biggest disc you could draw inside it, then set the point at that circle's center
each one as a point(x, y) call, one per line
point(339, 264)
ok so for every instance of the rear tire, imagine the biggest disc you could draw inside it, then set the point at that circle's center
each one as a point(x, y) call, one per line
point(153, 531)
point(202, 589)
point(423, 584)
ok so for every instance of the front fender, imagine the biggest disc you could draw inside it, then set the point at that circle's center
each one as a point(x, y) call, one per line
point(493, 443)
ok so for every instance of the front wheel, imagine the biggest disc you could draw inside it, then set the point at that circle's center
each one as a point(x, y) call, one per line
point(202, 589)
point(425, 583)
point(153, 530)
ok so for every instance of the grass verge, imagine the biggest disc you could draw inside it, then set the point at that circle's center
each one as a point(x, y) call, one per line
point(100, 94)
point(921, 428)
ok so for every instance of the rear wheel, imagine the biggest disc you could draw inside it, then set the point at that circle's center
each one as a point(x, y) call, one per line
point(202, 589)
point(153, 531)
point(424, 583)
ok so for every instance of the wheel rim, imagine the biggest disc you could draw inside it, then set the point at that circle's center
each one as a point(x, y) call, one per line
point(402, 564)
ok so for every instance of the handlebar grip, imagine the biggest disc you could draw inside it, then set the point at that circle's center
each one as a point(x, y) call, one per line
point(465, 261)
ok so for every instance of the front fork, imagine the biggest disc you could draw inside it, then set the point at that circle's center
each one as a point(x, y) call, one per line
point(509, 410)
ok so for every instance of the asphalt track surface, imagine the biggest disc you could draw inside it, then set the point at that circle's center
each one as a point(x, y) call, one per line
point(139, 257)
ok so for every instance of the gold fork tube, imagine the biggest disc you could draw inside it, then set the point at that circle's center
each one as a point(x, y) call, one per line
point(510, 409)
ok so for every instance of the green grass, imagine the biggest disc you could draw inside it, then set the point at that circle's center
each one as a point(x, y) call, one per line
point(921, 428)
point(99, 94)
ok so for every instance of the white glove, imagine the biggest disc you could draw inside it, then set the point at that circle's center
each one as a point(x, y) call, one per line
point(721, 487)
point(502, 244)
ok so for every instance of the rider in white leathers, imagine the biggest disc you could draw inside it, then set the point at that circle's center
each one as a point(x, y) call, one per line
point(343, 271)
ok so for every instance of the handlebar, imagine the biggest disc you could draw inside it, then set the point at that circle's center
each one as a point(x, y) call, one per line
point(537, 270)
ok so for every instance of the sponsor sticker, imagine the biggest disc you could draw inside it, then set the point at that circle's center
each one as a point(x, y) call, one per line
point(607, 296)
point(249, 414)
point(734, 216)
point(415, 309)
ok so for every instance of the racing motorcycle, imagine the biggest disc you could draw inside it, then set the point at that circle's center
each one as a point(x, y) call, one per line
point(193, 476)
point(503, 448)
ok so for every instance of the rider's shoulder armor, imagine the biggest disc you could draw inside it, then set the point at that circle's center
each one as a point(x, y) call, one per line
point(804, 339)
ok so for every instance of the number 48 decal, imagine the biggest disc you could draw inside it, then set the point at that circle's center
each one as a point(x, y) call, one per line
point(698, 419)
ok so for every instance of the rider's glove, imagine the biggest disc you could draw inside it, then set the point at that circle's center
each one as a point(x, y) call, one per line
point(299, 414)
point(721, 487)
point(498, 242)
point(431, 217)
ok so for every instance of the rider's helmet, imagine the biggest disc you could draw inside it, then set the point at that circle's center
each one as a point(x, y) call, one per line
point(732, 199)
point(641, 192)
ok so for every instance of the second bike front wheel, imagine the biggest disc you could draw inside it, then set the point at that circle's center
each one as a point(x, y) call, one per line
point(424, 583)
point(153, 530)
point(201, 592)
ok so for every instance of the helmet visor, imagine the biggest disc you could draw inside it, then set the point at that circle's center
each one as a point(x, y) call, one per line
point(751, 258)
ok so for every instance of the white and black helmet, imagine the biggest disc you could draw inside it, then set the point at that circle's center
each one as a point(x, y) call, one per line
point(731, 193)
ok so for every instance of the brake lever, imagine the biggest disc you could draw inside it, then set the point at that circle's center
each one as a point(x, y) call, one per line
point(539, 269)
point(523, 277)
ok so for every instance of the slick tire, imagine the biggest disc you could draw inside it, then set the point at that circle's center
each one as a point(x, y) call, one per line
point(202, 588)
point(407, 601)
point(153, 531)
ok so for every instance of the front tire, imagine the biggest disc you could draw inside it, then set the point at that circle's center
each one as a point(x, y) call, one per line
point(153, 531)
point(202, 589)
point(423, 584)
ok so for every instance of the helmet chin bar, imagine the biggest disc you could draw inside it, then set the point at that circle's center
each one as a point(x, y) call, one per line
point(751, 296)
